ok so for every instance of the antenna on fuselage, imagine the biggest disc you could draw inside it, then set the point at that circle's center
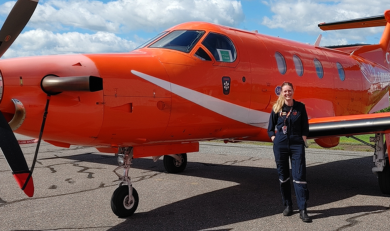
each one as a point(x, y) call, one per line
point(317, 43)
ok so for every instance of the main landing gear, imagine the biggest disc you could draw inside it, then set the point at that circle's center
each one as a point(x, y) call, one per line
point(381, 161)
point(124, 200)
point(175, 163)
point(382, 168)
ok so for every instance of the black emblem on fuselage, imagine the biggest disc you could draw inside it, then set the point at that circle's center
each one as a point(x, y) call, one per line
point(226, 85)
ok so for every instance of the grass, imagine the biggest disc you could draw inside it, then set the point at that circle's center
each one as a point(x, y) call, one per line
point(347, 144)
point(346, 140)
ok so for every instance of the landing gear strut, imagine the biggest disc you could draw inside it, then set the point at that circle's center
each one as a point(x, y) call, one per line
point(124, 200)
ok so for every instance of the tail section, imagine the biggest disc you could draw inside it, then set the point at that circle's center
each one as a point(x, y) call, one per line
point(378, 53)
point(385, 40)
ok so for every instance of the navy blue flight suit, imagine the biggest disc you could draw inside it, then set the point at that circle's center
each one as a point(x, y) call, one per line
point(291, 145)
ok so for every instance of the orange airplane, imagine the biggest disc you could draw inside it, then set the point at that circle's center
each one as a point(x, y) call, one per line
point(196, 81)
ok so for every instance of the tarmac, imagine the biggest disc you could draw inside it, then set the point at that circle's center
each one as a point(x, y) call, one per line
point(230, 186)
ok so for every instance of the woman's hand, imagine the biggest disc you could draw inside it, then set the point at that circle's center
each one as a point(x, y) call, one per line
point(272, 138)
point(304, 138)
point(304, 141)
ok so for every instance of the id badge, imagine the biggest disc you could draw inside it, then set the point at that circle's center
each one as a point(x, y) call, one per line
point(284, 129)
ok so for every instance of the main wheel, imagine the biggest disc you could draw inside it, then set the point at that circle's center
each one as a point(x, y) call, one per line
point(123, 205)
point(384, 179)
point(173, 165)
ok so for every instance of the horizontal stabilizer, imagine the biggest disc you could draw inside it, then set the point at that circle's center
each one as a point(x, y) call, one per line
point(355, 23)
point(14, 156)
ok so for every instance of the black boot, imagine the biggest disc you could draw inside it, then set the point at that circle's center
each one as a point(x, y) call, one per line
point(303, 215)
point(288, 211)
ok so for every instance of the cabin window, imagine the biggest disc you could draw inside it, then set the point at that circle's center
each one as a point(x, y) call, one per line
point(180, 40)
point(340, 69)
point(281, 63)
point(221, 47)
point(151, 40)
point(319, 69)
point(298, 65)
point(202, 54)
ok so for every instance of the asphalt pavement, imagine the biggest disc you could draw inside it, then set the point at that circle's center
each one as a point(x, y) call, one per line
point(224, 187)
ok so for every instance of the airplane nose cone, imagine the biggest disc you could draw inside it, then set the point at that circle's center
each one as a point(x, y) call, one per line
point(21, 79)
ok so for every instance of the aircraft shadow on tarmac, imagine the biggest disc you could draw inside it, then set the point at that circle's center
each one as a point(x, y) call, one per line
point(256, 196)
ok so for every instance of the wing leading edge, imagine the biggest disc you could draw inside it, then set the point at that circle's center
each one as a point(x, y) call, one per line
point(349, 125)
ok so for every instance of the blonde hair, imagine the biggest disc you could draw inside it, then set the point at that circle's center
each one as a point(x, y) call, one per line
point(279, 103)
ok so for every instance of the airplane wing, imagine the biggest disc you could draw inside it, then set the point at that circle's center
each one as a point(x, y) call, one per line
point(349, 125)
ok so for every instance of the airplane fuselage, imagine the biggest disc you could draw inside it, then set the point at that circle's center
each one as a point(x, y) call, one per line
point(158, 95)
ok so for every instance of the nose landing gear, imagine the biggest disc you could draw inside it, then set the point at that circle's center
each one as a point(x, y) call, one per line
point(124, 200)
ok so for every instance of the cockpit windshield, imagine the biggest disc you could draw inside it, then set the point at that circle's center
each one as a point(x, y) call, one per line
point(180, 40)
point(151, 40)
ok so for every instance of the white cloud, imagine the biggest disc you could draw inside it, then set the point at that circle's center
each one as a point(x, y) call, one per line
point(124, 15)
point(43, 42)
point(104, 19)
point(305, 15)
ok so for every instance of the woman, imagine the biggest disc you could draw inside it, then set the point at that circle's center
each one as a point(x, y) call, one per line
point(289, 118)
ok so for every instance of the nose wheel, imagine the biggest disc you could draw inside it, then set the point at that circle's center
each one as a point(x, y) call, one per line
point(122, 203)
point(124, 200)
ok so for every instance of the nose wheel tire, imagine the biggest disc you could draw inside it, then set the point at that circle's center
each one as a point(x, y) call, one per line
point(121, 204)
point(384, 179)
point(173, 165)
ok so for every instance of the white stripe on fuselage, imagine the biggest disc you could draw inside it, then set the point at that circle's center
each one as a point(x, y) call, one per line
point(232, 111)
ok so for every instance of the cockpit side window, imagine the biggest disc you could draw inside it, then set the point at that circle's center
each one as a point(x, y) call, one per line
point(180, 40)
point(221, 47)
point(202, 54)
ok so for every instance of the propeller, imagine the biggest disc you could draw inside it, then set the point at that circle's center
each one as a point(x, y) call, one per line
point(13, 25)
point(15, 22)
point(15, 158)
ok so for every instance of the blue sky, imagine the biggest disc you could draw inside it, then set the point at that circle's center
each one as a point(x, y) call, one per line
point(92, 26)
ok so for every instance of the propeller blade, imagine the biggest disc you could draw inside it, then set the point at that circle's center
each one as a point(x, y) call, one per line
point(14, 156)
point(15, 22)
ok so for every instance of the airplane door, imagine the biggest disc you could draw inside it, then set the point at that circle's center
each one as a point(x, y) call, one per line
point(261, 89)
point(216, 67)
point(230, 74)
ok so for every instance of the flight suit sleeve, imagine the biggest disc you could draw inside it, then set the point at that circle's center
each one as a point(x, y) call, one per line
point(305, 121)
point(272, 124)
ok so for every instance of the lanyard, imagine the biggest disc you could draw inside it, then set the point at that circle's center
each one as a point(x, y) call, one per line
point(288, 114)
